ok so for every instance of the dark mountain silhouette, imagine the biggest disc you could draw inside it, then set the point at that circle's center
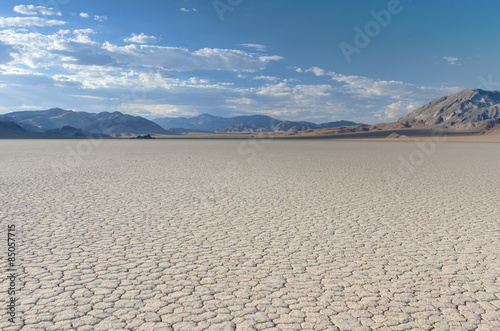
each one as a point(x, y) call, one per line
point(71, 132)
point(107, 123)
point(9, 129)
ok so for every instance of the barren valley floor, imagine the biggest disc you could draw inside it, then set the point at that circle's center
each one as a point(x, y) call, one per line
point(232, 234)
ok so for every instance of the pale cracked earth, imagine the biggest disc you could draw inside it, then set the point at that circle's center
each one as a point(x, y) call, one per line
point(223, 235)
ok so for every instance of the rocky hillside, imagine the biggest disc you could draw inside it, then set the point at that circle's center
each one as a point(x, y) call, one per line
point(464, 110)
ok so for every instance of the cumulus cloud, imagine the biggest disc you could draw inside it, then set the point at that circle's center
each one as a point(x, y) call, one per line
point(369, 87)
point(198, 80)
point(35, 10)
point(271, 58)
point(84, 15)
point(450, 59)
point(270, 78)
point(141, 39)
point(299, 93)
point(27, 21)
point(315, 70)
point(277, 90)
point(40, 50)
point(181, 59)
point(36, 50)
point(84, 31)
point(364, 86)
point(186, 10)
point(397, 109)
point(99, 18)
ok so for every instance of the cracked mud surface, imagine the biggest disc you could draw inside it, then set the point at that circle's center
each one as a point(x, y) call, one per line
point(300, 235)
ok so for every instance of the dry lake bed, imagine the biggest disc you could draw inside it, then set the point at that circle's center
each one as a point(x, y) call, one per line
point(262, 235)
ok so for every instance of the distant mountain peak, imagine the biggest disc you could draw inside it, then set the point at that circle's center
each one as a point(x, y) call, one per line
point(58, 110)
point(463, 108)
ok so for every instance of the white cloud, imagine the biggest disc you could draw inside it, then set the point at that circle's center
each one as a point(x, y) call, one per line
point(84, 15)
point(271, 58)
point(37, 50)
point(258, 47)
point(100, 18)
point(278, 90)
point(451, 59)
point(141, 39)
point(27, 21)
point(35, 10)
point(198, 80)
point(181, 59)
point(185, 10)
point(397, 109)
point(84, 31)
point(317, 71)
point(367, 87)
point(270, 78)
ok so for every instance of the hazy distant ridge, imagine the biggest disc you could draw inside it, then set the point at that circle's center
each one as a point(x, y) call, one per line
point(241, 124)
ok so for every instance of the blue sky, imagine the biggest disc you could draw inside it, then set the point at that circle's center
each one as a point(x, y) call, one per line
point(323, 60)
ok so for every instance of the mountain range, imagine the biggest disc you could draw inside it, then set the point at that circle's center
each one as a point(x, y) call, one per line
point(474, 111)
point(241, 124)
point(107, 123)
point(66, 123)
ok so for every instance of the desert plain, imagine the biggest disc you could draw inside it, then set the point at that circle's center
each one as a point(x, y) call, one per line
point(252, 235)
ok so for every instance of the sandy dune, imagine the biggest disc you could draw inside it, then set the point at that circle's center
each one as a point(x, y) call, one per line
point(227, 234)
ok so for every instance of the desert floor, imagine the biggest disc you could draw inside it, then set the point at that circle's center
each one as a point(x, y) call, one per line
point(237, 234)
